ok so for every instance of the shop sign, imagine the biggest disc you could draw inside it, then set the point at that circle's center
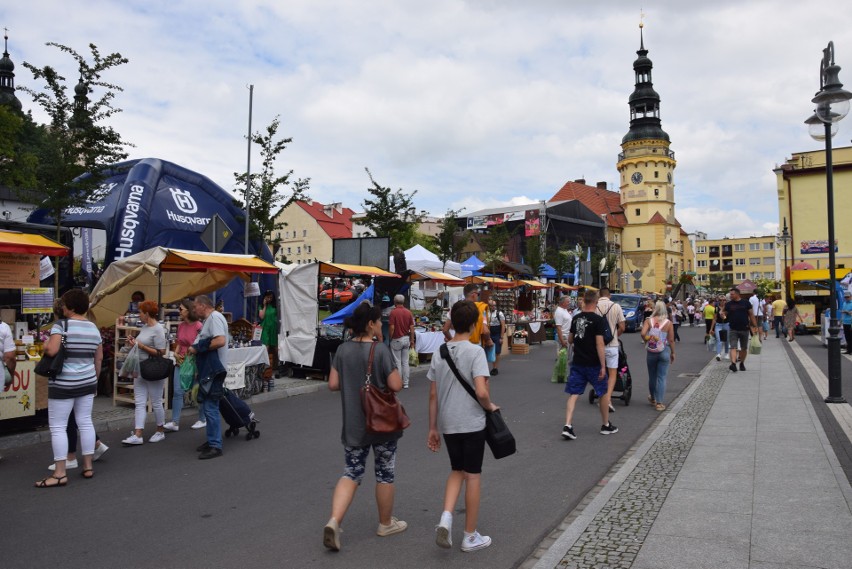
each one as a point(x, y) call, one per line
point(19, 398)
point(236, 378)
point(18, 270)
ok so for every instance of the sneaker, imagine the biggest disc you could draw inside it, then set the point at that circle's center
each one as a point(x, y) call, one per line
point(495, 371)
point(405, 386)
point(742, 367)
point(733, 367)
point(133, 440)
point(396, 526)
point(718, 358)
point(331, 535)
point(157, 437)
point(568, 433)
point(474, 541)
point(99, 451)
point(211, 452)
point(199, 424)
point(69, 464)
point(609, 429)
point(444, 531)
point(202, 447)
point(172, 426)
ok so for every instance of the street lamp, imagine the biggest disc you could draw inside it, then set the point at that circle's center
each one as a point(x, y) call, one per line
point(782, 239)
point(832, 104)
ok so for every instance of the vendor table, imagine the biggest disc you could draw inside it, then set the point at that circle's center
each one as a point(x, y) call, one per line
point(535, 331)
point(245, 369)
point(428, 342)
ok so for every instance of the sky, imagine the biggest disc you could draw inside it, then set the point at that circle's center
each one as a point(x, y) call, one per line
point(472, 103)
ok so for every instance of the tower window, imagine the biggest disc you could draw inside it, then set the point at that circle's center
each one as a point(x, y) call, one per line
point(638, 242)
point(656, 172)
point(656, 192)
point(638, 212)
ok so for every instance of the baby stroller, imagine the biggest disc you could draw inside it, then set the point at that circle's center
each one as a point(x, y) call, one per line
point(623, 380)
point(238, 414)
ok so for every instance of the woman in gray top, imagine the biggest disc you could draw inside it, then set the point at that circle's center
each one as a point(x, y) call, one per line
point(150, 341)
point(348, 373)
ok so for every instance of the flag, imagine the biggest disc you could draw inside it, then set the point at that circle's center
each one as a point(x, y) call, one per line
point(589, 255)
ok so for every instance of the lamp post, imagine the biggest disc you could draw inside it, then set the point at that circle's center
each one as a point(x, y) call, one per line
point(783, 238)
point(832, 104)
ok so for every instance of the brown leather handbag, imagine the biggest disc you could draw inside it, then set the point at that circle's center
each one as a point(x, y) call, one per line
point(382, 410)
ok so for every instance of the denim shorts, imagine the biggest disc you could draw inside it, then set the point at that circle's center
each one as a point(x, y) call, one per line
point(385, 461)
point(581, 375)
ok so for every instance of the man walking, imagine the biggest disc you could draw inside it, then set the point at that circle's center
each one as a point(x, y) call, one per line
point(587, 332)
point(211, 346)
point(778, 308)
point(401, 329)
point(562, 322)
point(741, 318)
point(496, 329)
point(477, 335)
point(614, 317)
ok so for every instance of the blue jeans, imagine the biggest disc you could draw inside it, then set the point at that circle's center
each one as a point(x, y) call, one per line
point(177, 399)
point(727, 328)
point(210, 411)
point(658, 369)
point(778, 324)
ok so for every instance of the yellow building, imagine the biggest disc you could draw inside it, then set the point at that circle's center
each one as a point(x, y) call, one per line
point(310, 230)
point(802, 205)
point(723, 263)
point(654, 247)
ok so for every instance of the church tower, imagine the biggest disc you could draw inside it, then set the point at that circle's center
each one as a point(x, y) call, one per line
point(651, 241)
point(7, 78)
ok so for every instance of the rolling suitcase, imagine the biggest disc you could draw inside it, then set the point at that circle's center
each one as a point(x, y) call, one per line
point(238, 415)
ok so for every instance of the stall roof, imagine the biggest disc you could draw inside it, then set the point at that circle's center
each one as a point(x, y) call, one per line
point(180, 260)
point(16, 242)
point(438, 277)
point(534, 284)
point(340, 269)
point(494, 281)
point(566, 286)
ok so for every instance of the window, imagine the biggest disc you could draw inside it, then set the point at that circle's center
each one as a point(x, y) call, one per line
point(714, 251)
point(304, 233)
point(701, 263)
point(754, 246)
point(756, 275)
point(656, 193)
point(289, 251)
point(298, 250)
point(702, 248)
point(769, 260)
point(769, 246)
point(656, 174)
point(638, 212)
point(726, 251)
point(752, 261)
point(638, 244)
point(769, 275)
point(739, 246)
point(307, 249)
point(740, 276)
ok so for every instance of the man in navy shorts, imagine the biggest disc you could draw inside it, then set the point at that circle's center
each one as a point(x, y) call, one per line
point(589, 365)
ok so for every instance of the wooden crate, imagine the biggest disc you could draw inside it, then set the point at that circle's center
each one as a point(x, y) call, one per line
point(522, 349)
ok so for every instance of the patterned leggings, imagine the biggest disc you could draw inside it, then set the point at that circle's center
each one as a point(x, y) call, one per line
point(385, 462)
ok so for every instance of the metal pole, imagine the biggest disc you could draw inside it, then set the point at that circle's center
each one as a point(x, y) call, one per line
point(835, 389)
point(248, 194)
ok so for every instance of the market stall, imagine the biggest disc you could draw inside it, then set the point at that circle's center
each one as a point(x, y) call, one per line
point(20, 259)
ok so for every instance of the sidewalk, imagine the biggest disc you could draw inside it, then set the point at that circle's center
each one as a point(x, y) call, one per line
point(737, 474)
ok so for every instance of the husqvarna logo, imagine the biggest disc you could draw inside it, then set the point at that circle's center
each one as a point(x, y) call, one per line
point(184, 200)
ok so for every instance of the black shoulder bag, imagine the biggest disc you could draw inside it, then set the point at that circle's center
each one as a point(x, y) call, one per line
point(51, 366)
point(497, 434)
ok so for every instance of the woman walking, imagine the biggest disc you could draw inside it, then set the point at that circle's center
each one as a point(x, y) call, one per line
point(656, 331)
point(791, 317)
point(74, 388)
point(151, 341)
point(348, 373)
point(187, 332)
point(721, 327)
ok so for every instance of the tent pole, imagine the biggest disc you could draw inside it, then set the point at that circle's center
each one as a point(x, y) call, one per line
point(248, 195)
point(160, 292)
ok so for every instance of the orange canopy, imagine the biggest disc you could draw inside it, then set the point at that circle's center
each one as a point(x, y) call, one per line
point(15, 242)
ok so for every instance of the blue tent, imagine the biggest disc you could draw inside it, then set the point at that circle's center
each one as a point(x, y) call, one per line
point(343, 313)
point(472, 265)
point(547, 271)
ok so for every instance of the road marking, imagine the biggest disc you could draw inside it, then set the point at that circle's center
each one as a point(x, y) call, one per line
point(842, 411)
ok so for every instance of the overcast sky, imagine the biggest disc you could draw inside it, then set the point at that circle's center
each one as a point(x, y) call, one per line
point(472, 103)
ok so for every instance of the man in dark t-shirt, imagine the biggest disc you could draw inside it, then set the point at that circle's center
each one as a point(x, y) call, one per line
point(741, 318)
point(589, 365)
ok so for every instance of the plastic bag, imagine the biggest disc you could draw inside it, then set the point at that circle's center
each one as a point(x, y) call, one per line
point(187, 372)
point(560, 370)
point(491, 354)
point(754, 345)
point(130, 367)
point(413, 358)
point(711, 344)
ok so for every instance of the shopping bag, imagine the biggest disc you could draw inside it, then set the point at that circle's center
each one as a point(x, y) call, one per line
point(413, 358)
point(560, 370)
point(130, 367)
point(754, 345)
point(711, 344)
point(490, 354)
point(187, 372)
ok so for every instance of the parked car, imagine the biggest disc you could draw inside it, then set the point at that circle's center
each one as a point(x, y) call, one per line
point(632, 305)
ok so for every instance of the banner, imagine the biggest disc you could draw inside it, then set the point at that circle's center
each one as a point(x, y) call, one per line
point(495, 219)
point(477, 222)
point(18, 400)
point(532, 223)
point(19, 270)
point(86, 260)
point(236, 378)
point(816, 246)
point(37, 300)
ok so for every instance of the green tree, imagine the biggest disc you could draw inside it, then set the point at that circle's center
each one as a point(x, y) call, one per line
point(766, 286)
point(392, 214)
point(77, 146)
point(269, 193)
point(533, 257)
point(495, 242)
point(450, 241)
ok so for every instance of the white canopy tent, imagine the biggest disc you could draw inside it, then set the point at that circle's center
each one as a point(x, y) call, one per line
point(422, 260)
point(298, 307)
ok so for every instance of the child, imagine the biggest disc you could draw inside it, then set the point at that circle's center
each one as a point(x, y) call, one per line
point(461, 419)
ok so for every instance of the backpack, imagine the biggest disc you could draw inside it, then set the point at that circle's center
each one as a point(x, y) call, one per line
point(656, 343)
point(608, 335)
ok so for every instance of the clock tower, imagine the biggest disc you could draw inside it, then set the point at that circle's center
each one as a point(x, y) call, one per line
point(651, 241)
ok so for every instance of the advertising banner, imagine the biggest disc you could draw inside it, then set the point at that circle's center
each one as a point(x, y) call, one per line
point(816, 246)
point(532, 223)
point(19, 270)
point(18, 399)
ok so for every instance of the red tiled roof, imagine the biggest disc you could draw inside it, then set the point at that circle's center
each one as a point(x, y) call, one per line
point(337, 225)
point(657, 218)
point(598, 200)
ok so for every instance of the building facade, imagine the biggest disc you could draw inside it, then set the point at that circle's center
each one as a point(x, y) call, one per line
point(309, 231)
point(723, 263)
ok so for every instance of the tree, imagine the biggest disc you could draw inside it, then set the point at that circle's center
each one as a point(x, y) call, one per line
point(392, 214)
point(76, 147)
point(533, 257)
point(268, 193)
point(495, 242)
point(450, 241)
point(559, 260)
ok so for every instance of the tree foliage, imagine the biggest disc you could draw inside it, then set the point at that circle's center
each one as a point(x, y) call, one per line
point(72, 153)
point(450, 241)
point(392, 214)
point(269, 193)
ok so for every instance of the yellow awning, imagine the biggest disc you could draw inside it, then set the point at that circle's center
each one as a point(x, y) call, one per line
point(537, 285)
point(341, 270)
point(181, 260)
point(438, 277)
point(16, 242)
point(565, 286)
point(496, 282)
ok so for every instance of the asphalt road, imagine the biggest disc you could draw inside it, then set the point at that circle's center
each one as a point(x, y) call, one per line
point(265, 502)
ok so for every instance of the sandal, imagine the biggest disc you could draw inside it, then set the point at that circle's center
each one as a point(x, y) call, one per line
point(651, 400)
point(61, 481)
point(660, 407)
point(88, 473)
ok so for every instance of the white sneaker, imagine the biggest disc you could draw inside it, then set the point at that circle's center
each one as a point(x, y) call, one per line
point(199, 424)
point(444, 531)
point(474, 542)
point(69, 464)
point(718, 358)
point(99, 451)
point(133, 440)
point(171, 426)
point(157, 437)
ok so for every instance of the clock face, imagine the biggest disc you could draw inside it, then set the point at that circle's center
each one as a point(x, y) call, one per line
point(636, 178)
